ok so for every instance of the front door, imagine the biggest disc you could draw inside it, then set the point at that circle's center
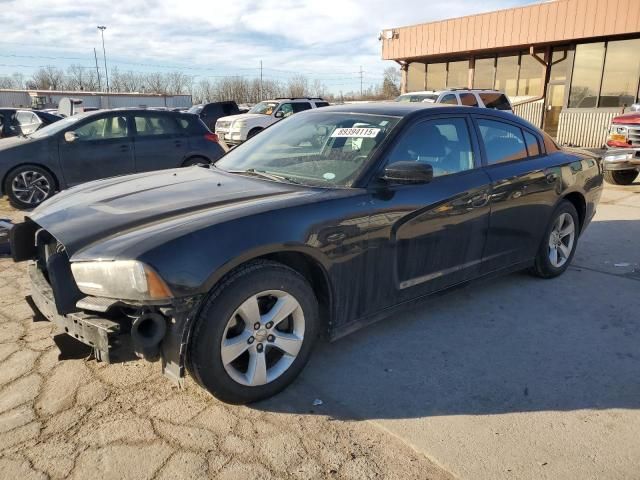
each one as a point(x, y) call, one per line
point(553, 107)
point(430, 236)
point(159, 142)
point(102, 148)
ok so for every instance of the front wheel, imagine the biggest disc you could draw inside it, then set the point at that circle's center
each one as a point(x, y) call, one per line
point(28, 186)
point(254, 333)
point(620, 177)
point(559, 242)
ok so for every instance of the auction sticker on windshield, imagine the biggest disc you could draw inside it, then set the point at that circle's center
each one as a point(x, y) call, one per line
point(355, 132)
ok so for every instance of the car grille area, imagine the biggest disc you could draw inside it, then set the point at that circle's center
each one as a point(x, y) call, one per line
point(634, 136)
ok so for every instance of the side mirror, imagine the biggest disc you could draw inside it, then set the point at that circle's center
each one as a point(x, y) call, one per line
point(70, 136)
point(279, 114)
point(408, 172)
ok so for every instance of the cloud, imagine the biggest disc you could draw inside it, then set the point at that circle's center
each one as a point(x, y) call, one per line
point(327, 39)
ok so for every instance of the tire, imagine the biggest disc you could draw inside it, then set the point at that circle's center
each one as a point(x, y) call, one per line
point(620, 177)
point(253, 133)
point(190, 162)
point(226, 315)
point(544, 265)
point(27, 186)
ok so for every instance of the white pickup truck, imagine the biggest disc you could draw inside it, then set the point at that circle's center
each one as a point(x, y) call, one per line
point(235, 129)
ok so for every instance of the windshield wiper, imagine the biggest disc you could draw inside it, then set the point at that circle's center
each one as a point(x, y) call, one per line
point(263, 174)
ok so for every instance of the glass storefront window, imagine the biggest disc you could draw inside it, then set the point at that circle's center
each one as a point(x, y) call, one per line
point(416, 77)
point(587, 70)
point(507, 75)
point(483, 76)
point(458, 74)
point(559, 64)
point(621, 74)
point(531, 76)
point(436, 76)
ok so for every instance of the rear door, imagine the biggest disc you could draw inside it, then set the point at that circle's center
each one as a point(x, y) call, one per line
point(159, 141)
point(103, 148)
point(524, 182)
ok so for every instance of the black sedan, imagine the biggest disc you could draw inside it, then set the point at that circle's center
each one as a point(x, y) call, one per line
point(97, 145)
point(16, 121)
point(327, 221)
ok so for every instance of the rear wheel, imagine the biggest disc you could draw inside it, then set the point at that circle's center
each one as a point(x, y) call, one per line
point(621, 177)
point(254, 333)
point(559, 243)
point(28, 186)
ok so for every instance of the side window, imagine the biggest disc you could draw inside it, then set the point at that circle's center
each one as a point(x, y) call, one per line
point(103, 129)
point(449, 99)
point(148, 125)
point(495, 100)
point(468, 99)
point(444, 144)
point(502, 142)
point(322, 104)
point(532, 144)
point(301, 107)
point(286, 109)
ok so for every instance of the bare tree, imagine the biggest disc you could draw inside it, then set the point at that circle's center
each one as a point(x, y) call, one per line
point(298, 86)
point(81, 78)
point(391, 83)
point(155, 83)
point(318, 88)
point(48, 78)
point(177, 83)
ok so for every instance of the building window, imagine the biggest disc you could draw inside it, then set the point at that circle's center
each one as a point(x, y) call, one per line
point(559, 64)
point(621, 74)
point(436, 76)
point(458, 76)
point(507, 75)
point(416, 77)
point(531, 76)
point(587, 72)
point(484, 73)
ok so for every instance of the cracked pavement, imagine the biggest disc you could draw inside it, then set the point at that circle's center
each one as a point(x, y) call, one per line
point(82, 419)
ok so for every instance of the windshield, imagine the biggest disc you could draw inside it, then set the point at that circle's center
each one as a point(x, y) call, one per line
point(264, 108)
point(431, 98)
point(56, 127)
point(313, 148)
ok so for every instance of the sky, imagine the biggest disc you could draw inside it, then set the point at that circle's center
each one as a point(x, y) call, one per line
point(325, 39)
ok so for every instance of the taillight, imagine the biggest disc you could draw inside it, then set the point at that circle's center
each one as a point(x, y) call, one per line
point(212, 137)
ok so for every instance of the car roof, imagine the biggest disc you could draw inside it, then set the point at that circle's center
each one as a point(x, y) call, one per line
point(402, 109)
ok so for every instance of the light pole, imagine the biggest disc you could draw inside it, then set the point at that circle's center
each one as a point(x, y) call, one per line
point(102, 28)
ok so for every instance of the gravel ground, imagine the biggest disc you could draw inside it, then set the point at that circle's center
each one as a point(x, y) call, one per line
point(83, 419)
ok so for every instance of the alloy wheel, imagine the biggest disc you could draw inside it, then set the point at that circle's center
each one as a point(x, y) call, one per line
point(31, 187)
point(561, 240)
point(262, 338)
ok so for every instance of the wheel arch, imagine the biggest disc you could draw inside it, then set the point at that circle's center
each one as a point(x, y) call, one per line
point(190, 157)
point(56, 181)
point(579, 202)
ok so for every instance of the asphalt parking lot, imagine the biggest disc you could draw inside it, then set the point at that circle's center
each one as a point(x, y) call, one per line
point(513, 378)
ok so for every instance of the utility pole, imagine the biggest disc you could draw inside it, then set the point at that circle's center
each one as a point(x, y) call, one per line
point(361, 72)
point(95, 55)
point(102, 28)
point(260, 99)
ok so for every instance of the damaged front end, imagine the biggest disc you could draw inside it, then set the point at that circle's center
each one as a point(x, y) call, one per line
point(116, 330)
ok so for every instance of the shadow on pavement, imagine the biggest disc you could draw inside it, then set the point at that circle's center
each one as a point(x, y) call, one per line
point(515, 344)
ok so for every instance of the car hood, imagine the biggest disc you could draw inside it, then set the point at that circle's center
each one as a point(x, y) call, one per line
point(95, 211)
point(628, 119)
point(12, 142)
point(243, 116)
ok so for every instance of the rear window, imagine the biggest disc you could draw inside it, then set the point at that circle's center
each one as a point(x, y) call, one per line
point(301, 107)
point(497, 100)
point(503, 142)
point(532, 144)
point(322, 104)
point(196, 109)
point(449, 99)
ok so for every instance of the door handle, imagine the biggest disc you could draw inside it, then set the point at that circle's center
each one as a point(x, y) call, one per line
point(479, 200)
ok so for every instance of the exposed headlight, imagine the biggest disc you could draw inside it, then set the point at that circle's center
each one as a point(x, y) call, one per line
point(619, 157)
point(239, 124)
point(121, 279)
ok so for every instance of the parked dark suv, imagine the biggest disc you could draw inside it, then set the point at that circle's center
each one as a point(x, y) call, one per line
point(100, 144)
point(209, 113)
